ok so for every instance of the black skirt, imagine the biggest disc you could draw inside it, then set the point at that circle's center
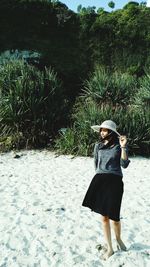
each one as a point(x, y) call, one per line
point(104, 195)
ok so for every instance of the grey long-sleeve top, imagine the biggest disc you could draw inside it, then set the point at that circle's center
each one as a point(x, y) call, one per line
point(109, 160)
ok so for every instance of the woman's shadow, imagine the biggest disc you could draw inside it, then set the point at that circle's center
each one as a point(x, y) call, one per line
point(145, 249)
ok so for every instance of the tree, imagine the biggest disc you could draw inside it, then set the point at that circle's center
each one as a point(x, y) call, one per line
point(131, 4)
point(86, 10)
point(111, 4)
point(79, 8)
point(143, 3)
point(100, 10)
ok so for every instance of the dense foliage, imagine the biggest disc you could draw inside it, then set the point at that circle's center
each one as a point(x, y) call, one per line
point(32, 104)
point(71, 42)
point(103, 56)
point(98, 103)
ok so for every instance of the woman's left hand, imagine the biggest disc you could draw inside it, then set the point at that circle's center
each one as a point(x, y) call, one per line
point(123, 140)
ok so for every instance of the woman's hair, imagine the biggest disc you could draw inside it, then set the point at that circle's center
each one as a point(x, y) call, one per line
point(112, 138)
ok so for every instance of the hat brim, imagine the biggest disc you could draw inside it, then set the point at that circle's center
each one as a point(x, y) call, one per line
point(96, 128)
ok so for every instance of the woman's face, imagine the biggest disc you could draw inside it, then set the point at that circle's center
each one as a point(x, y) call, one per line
point(103, 132)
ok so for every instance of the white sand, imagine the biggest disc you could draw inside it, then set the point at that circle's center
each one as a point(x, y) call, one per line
point(42, 222)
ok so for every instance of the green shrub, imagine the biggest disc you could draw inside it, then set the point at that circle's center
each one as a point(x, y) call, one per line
point(112, 88)
point(96, 105)
point(134, 124)
point(15, 141)
point(142, 97)
point(32, 103)
point(66, 142)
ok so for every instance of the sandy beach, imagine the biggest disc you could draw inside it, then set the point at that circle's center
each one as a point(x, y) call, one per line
point(42, 222)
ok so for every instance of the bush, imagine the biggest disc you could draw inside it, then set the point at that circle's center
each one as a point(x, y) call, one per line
point(66, 143)
point(80, 139)
point(112, 88)
point(142, 97)
point(32, 103)
point(95, 106)
point(130, 122)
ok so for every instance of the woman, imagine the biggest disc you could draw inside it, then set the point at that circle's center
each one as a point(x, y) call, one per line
point(104, 194)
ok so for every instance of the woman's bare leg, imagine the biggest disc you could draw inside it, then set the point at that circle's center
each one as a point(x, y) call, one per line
point(107, 236)
point(117, 230)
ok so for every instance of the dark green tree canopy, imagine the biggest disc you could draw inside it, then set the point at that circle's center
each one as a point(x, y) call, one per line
point(111, 4)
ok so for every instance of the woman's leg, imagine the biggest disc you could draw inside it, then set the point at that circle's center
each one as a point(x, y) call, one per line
point(117, 230)
point(107, 236)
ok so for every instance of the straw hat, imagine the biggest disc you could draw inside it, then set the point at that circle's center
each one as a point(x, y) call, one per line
point(108, 124)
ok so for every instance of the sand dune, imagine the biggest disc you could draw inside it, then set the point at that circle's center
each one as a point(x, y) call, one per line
point(42, 222)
